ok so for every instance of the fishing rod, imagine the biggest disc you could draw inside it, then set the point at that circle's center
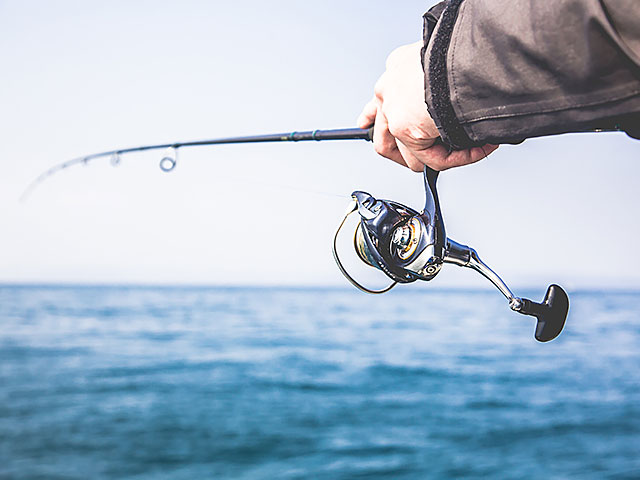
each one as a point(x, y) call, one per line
point(170, 159)
point(404, 244)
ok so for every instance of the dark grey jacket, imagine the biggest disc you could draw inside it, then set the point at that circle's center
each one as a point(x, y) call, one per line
point(500, 71)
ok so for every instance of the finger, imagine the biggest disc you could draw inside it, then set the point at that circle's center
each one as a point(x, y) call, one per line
point(435, 157)
point(483, 151)
point(440, 158)
point(378, 89)
point(410, 158)
point(368, 115)
point(469, 156)
point(383, 142)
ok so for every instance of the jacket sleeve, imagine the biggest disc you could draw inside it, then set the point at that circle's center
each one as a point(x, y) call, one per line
point(501, 71)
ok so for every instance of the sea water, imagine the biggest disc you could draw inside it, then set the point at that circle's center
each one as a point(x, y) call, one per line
point(269, 383)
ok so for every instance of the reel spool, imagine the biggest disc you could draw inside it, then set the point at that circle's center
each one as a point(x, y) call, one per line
point(409, 246)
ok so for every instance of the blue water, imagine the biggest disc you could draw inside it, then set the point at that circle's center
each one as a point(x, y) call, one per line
point(190, 383)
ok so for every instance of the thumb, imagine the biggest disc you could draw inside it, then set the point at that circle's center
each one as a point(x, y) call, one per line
point(368, 115)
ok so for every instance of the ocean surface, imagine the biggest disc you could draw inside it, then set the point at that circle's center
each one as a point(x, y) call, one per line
point(271, 383)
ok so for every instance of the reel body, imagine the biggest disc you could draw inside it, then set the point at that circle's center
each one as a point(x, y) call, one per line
point(409, 246)
point(397, 240)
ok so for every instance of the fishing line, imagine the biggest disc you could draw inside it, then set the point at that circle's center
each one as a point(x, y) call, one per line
point(282, 186)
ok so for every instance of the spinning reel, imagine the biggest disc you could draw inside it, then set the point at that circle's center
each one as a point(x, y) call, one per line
point(409, 246)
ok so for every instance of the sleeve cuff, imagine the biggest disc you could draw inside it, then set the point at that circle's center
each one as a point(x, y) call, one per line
point(437, 37)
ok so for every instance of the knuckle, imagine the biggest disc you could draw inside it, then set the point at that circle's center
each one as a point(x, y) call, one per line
point(385, 149)
point(378, 88)
point(418, 134)
point(409, 132)
point(395, 130)
point(393, 56)
point(381, 149)
point(390, 59)
point(416, 166)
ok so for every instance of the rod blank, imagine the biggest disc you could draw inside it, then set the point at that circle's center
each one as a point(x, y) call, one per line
point(311, 135)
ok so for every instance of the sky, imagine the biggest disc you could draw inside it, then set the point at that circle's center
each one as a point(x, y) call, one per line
point(80, 77)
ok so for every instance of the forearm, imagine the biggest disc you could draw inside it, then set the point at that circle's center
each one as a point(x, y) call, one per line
point(500, 71)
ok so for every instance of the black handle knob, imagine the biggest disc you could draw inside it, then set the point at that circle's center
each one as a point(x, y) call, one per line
point(551, 313)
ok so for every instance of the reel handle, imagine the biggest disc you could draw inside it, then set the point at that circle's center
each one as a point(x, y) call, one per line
point(551, 313)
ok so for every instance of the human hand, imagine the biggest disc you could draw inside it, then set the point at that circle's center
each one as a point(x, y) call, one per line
point(403, 129)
